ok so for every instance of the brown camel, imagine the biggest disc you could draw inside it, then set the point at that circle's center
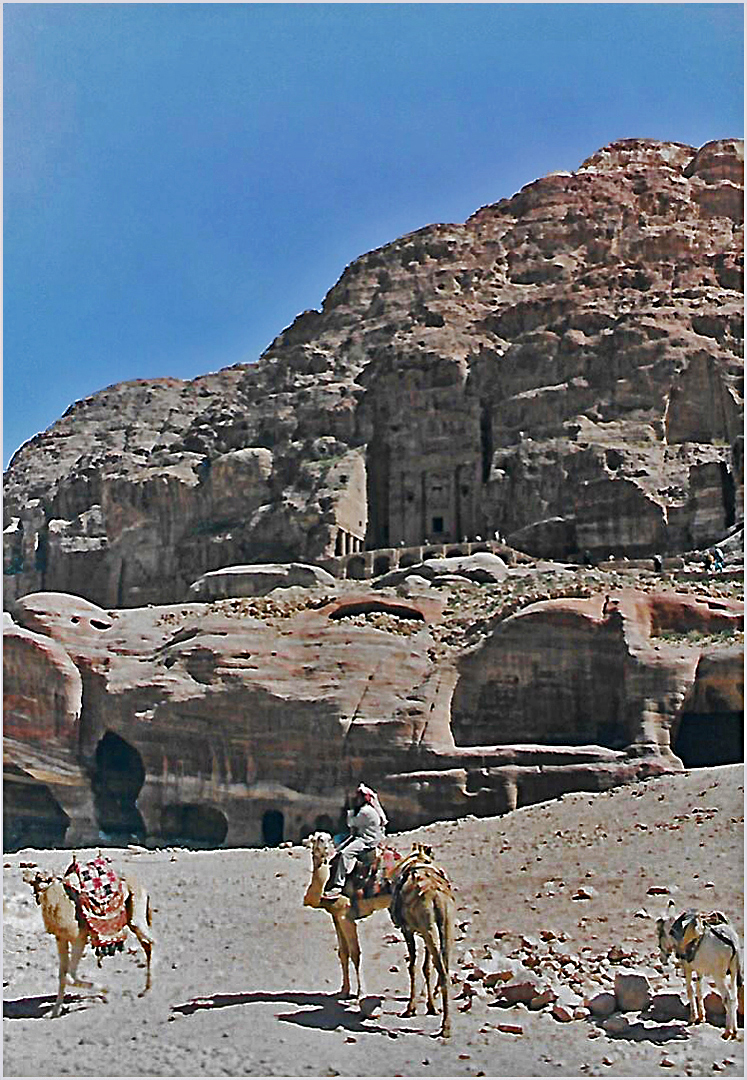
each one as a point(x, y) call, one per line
point(62, 920)
point(423, 904)
point(344, 912)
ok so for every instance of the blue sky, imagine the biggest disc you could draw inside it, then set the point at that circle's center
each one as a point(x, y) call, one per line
point(181, 180)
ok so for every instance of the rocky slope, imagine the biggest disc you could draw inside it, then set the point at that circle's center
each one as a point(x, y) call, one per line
point(245, 975)
point(563, 368)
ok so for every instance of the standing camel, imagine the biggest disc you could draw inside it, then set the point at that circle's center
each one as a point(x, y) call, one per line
point(423, 904)
point(345, 910)
point(63, 919)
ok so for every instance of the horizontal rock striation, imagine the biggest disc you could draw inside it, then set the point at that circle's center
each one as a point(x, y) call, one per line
point(249, 720)
point(564, 368)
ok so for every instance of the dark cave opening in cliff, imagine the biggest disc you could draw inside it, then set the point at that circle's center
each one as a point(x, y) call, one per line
point(32, 817)
point(116, 782)
point(273, 828)
point(705, 739)
point(193, 825)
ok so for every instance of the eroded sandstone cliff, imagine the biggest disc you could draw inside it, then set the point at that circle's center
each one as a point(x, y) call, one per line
point(248, 721)
point(564, 368)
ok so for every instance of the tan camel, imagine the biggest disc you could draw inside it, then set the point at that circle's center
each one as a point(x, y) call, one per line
point(61, 919)
point(344, 913)
point(423, 904)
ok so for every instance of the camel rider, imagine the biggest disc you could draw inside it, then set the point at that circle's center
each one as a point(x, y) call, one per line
point(367, 824)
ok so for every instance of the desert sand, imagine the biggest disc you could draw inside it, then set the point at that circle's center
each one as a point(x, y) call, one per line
point(245, 976)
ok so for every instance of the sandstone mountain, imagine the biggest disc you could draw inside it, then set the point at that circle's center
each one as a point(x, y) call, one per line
point(191, 654)
point(564, 369)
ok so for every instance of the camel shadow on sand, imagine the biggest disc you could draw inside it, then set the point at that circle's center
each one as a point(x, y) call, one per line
point(38, 1008)
point(327, 1012)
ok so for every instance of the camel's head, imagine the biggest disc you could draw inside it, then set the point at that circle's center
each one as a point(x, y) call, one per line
point(665, 942)
point(664, 934)
point(692, 930)
point(424, 852)
point(39, 880)
point(321, 847)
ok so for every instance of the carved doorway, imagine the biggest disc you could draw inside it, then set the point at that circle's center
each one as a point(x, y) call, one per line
point(193, 825)
point(705, 739)
point(273, 827)
point(116, 782)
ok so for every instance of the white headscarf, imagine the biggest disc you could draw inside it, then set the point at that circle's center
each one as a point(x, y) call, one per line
point(373, 800)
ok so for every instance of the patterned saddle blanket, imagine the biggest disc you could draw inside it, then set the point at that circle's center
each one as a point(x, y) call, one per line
point(99, 895)
point(371, 874)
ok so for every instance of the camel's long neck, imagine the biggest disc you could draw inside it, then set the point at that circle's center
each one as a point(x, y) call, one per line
point(319, 876)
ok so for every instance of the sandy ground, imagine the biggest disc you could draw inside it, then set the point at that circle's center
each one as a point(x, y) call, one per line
point(245, 976)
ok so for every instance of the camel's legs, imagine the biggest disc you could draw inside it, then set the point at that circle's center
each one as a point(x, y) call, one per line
point(139, 922)
point(354, 950)
point(691, 998)
point(411, 956)
point(76, 951)
point(431, 1005)
point(77, 948)
point(698, 990)
point(727, 989)
point(62, 975)
point(443, 977)
point(343, 953)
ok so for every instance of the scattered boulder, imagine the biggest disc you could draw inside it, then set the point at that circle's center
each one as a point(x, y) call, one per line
point(668, 1006)
point(602, 1004)
point(258, 580)
point(632, 991)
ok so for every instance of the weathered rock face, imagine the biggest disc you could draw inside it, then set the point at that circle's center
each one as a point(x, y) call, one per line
point(564, 368)
point(247, 720)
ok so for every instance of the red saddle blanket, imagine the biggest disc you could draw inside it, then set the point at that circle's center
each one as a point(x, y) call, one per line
point(371, 877)
point(100, 897)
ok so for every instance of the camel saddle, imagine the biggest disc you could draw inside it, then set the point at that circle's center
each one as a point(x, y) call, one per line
point(99, 897)
point(371, 873)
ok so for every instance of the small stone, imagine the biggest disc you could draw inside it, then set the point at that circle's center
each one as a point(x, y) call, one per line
point(519, 992)
point(510, 1029)
point(547, 997)
point(562, 1012)
point(601, 1004)
point(615, 1025)
point(714, 1007)
point(658, 890)
point(586, 892)
point(666, 1063)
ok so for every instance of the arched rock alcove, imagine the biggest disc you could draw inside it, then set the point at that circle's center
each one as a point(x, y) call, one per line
point(116, 782)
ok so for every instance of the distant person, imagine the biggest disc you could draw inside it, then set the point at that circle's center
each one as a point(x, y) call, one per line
point(718, 559)
point(367, 824)
point(708, 560)
point(658, 564)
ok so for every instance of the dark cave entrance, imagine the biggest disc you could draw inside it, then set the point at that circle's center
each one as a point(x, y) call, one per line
point(705, 739)
point(32, 817)
point(273, 826)
point(117, 778)
point(193, 825)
